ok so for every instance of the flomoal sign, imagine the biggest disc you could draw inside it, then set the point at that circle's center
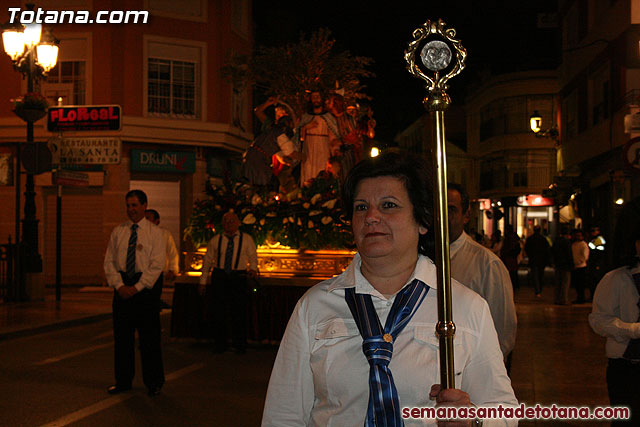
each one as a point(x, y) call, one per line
point(163, 161)
point(84, 118)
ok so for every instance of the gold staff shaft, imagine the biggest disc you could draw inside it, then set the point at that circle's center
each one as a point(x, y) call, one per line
point(445, 327)
point(443, 57)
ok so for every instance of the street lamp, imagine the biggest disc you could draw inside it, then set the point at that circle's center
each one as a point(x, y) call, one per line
point(535, 122)
point(33, 55)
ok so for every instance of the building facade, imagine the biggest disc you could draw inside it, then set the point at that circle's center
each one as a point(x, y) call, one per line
point(181, 121)
point(513, 165)
point(496, 156)
point(599, 80)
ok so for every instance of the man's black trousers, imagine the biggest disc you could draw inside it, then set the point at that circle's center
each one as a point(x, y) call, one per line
point(230, 296)
point(141, 312)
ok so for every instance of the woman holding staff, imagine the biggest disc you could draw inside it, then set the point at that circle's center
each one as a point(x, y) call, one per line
point(361, 346)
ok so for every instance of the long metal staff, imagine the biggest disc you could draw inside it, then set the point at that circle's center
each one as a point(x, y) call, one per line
point(434, 45)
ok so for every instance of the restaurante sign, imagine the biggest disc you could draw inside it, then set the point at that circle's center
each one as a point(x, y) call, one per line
point(85, 151)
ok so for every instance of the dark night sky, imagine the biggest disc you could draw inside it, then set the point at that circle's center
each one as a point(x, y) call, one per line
point(499, 35)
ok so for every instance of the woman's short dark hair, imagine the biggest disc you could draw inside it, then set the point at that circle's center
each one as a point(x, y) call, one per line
point(412, 170)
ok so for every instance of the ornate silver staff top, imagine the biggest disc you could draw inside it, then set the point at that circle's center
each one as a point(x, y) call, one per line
point(434, 44)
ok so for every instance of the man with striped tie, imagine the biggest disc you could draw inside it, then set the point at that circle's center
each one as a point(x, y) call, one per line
point(233, 257)
point(133, 267)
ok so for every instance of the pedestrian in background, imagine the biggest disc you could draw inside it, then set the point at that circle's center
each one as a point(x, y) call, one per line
point(580, 252)
point(479, 269)
point(133, 267)
point(496, 242)
point(537, 249)
point(563, 263)
point(233, 257)
point(616, 315)
point(510, 253)
point(172, 264)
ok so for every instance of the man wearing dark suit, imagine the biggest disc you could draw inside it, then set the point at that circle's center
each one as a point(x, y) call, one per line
point(133, 267)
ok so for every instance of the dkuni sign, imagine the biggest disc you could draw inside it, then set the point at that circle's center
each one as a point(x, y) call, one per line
point(163, 161)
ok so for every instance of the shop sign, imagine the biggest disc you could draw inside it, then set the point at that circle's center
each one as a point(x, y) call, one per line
point(84, 118)
point(72, 179)
point(85, 151)
point(631, 153)
point(535, 200)
point(163, 161)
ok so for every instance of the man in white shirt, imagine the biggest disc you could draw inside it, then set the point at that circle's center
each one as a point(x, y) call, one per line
point(580, 251)
point(172, 264)
point(133, 267)
point(234, 259)
point(481, 270)
point(615, 315)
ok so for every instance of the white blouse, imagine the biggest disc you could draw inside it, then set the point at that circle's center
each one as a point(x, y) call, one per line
point(320, 376)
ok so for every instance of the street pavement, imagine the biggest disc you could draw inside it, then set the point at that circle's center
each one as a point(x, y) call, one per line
point(57, 374)
point(56, 361)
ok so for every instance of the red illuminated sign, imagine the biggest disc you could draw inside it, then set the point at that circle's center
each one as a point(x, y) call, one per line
point(534, 200)
point(84, 118)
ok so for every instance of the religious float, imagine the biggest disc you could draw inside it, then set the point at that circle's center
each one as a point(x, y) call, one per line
point(302, 238)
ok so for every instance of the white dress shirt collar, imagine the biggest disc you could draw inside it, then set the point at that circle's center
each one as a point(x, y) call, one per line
point(457, 244)
point(233, 236)
point(143, 223)
point(352, 277)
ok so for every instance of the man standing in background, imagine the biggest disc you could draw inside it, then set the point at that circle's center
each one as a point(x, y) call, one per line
point(579, 278)
point(172, 264)
point(481, 270)
point(234, 258)
point(133, 268)
point(537, 249)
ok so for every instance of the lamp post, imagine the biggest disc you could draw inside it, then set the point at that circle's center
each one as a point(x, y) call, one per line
point(33, 55)
point(535, 122)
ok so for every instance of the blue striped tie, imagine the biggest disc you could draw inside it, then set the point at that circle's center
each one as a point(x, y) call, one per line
point(131, 251)
point(384, 406)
